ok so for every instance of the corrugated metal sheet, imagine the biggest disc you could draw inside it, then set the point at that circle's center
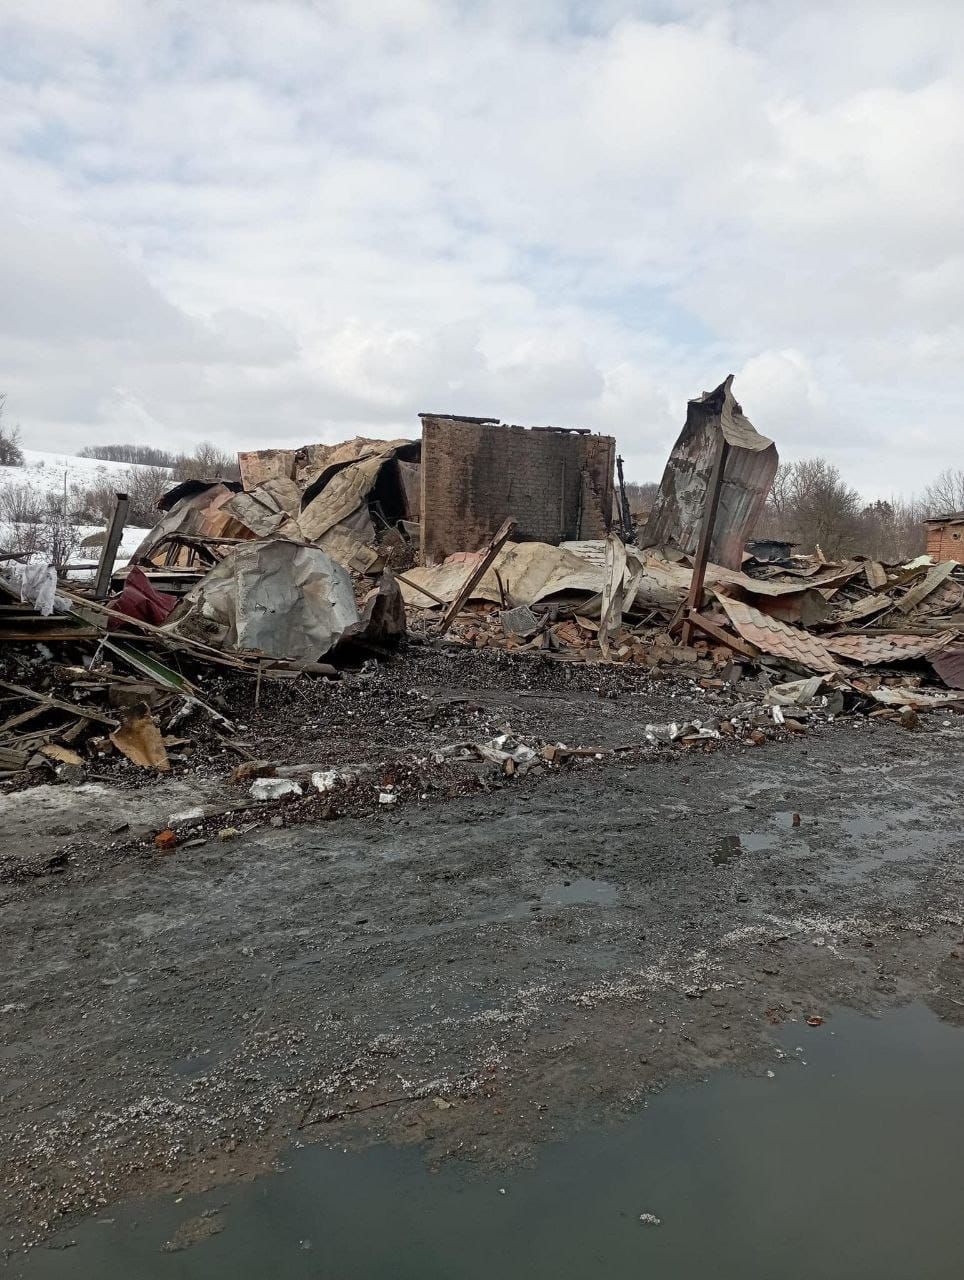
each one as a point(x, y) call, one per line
point(776, 638)
point(677, 514)
point(871, 650)
point(949, 665)
point(200, 512)
point(259, 465)
point(738, 430)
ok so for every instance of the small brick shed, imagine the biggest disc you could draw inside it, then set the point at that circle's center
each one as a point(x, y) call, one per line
point(945, 537)
point(557, 483)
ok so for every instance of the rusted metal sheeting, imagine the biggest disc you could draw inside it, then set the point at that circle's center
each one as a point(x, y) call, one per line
point(774, 637)
point(949, 665)
point(893, 646)
point(259, 465)
point(347, 481)
point(195, 508)
point(807, 608)
point(750, 467)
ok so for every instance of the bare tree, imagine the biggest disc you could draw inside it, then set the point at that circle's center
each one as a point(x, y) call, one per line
point(208, 462)
point(892, 530)
point(946, 493)
point(777, 516)
point(93, 502)
point(22, 510)
point(11, 454)
point(22, 504)
point(145, 486)
point(641, 496)
point(60, 538)
point(810, 504)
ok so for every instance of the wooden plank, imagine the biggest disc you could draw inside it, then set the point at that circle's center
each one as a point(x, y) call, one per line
point(108, 553)
point(864, 608)
point(15, 721)
point(503, 534)
point(736, 643)
point(875, 574)
point(27, 634)
point(58, 704)
point(424, 590)
point(239, 663)
point(929, 585)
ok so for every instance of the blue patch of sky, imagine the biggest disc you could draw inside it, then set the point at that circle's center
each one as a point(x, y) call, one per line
point(643, 307)
point(50, 142)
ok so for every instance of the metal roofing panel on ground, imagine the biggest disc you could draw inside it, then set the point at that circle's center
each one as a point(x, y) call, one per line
point(949, 665)
point(776, 638)
point(892, 646)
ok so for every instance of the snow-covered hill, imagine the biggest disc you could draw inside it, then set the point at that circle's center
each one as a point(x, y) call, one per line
point(46, 471)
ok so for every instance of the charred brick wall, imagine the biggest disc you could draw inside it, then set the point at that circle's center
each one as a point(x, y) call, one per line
point(558, 485)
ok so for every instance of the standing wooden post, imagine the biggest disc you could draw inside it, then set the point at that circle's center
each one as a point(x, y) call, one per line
point(108, 553)
point(713, 489)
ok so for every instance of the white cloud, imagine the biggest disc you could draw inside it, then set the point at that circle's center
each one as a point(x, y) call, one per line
point(266, 222)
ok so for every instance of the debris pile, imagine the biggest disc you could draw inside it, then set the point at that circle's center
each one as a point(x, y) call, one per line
point(870, 622)
point(307, 564)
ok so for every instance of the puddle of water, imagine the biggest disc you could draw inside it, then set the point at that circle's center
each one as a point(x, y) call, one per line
point(879, 844)
point(846, 1168)
point(726, 850)
point(730, 847)
point(790, 819)
point(788, 824)
point(581, 890)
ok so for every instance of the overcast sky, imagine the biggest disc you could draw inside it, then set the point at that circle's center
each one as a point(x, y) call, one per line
point(269, 223)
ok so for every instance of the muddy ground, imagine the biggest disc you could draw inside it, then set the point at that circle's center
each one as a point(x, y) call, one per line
point(386, 722)
point(473, 970)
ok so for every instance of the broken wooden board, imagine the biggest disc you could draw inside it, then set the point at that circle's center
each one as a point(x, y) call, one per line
point(932, 580)
point(61, 755)
point(75, 709)
point(501, 537)
point(139, 738)
point(865, 608)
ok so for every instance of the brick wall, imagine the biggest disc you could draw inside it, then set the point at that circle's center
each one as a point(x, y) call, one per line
point(946, 541)
point(557, 485)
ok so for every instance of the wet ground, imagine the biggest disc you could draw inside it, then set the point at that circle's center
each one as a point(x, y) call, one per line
point(385, 721)
point(839, 1159)
point(469, 978)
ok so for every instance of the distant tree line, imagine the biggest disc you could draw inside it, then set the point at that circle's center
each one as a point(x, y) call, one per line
point(812, 506)
point(641, 497)
point(143, 455)
point(207, 462)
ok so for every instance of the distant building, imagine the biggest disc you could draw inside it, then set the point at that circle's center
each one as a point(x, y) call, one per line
point(945, 537)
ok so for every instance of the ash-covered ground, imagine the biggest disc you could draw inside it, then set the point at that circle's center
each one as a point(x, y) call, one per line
point(475, 967)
